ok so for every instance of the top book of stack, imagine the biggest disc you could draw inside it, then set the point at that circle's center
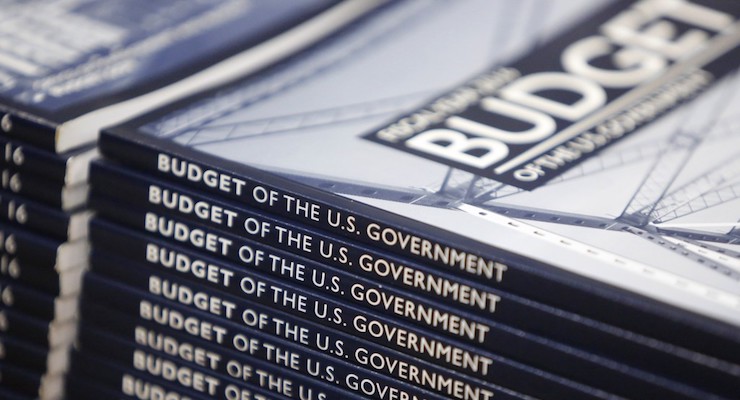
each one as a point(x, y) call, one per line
point(67, 68)
point(596, 173)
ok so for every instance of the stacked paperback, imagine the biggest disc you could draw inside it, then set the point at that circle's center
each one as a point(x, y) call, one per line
point(385, 215)
point(68, 68)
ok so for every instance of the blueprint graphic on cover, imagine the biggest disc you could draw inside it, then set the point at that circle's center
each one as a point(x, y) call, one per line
point(619, 149)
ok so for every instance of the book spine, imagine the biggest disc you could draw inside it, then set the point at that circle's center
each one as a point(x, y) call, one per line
point(22, 354)
point(27, 300)
point(21, 211)
point(307, 307)
point(25, 158)
point(40, 277)
point(26, 128)
point(462, 256)
point(34, 187)
point(28, 247)
point(150, 253)
point(32, 329)
point(342, 267)
point(292, 363)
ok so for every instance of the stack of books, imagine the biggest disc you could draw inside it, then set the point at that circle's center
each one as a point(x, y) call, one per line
point(466, 200)
point(68, 68)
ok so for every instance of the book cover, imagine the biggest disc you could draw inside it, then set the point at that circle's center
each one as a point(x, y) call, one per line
point(649, 208)
point(65, 64)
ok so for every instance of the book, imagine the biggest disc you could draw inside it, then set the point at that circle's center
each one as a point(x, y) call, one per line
point(29, 384)
point(43, 360)
point(29, 248)
point(56, 195)
point(67, 68)
point(36, 303)
point(70, 168)
point(625, 221)
point(42, 218)
point(44, 278)
point(35, 330)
